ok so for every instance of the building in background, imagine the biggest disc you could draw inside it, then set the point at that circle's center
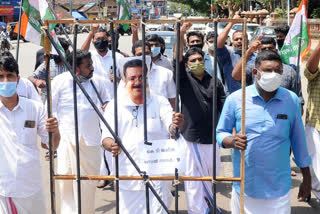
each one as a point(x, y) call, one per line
point(9, 10)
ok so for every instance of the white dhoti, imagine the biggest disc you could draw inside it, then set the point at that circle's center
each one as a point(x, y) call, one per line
point(34, 204)
point(199, 162)
point(89, 165)
point(279, 205)
point(313, 143)
point(134, 202)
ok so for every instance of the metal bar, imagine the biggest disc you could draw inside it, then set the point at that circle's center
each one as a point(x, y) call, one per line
point(147, 199)
point(214, 119)
point(98, 95)
point(49, 110)
point(155, 178)
point(115, 97)
point(72, 21)
point(243, 112)
point(19, 34)
point(116, 138)
point(75, 106)
point(60, 26)
point(177, 109)
point(176, 191)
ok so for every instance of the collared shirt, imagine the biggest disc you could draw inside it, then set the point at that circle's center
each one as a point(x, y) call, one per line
point(290, 79)
point(130, 130)
point(209, 65)
point(228, 59)
point(102, 64)
point(62, 107)
point(271, 129)
point(55, 70)
point(20, 170)
point(25, 88)
point(197, 105)
point(313, 106)
point(164, 62)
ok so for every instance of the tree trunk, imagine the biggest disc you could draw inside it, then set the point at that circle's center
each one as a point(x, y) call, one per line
point(282, 5)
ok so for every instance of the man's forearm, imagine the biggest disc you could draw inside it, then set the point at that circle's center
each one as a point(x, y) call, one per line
point(313, 61)
point(224, 35)
point(228, 142)
point(306, 174)
point(237, 70)
point(86, 44)
point(55, 140)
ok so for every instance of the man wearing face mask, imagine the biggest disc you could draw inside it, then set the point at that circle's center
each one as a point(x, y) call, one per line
point(196, 92)
point(89, 131)
point(160, 79)
point(22, 120)
point(57, 67)
point(102, 55)
point(229, 58)
point(290, 79)
point(281, 33)
point(273, 125)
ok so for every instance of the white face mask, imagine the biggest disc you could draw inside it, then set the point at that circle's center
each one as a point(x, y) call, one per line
point(211, 46)
point(269, 81)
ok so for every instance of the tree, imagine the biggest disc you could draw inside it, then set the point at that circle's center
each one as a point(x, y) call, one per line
point(231, 5)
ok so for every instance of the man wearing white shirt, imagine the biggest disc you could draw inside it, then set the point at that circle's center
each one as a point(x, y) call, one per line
point(160, 78)
point(89, 132)
point(26, 89)
point(21, 121)
point(162, 121)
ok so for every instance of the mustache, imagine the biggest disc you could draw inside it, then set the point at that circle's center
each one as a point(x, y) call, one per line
point(137, 86)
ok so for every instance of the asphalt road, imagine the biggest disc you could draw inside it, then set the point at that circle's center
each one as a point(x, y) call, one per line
point(105, 198)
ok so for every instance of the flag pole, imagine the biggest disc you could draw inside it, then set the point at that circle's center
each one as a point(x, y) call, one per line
point(19, 29)
point(288, 12)
point(299, 47)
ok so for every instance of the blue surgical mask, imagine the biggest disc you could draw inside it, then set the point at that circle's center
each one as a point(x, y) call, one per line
point(8, 89)
point(155, 51)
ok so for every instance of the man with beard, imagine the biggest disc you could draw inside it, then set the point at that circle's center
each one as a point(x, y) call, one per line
point(229, 58)
point(281, 33)
point(162, 121)
point(89, 132)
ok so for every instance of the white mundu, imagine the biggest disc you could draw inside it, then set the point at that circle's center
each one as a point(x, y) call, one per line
point(20, 170)
point(89, 139)
point(130, 127)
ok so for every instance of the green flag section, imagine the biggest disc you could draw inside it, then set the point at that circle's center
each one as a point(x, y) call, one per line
point(290, 50)
point(124, 13)
point(35, 10)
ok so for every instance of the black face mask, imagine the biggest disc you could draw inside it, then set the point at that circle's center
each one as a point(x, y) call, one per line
point(101, 45)
point(57, 59)
point(196, 46)
point(280, 43)
point(109, 46)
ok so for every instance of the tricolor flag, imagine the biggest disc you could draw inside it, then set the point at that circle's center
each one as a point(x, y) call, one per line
point(289, 51)
point(124, 13)
point(33, 11)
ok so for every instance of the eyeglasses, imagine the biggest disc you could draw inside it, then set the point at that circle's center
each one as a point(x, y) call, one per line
point(135, 116)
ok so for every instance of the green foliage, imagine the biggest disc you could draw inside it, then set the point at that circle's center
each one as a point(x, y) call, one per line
point(282, 13)
point(201, 6)
point(315, 13)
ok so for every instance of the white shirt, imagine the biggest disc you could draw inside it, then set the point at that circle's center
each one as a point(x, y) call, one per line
point(160, 82)
point(130, 130)
point(88, 119)
point(25, 88)
point(102, 64)
point(20, 170)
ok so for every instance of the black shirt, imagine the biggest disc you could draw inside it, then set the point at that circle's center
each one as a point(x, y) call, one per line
point(196, 105)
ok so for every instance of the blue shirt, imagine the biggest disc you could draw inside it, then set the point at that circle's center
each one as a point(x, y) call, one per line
point(209, 66)
point(271, 128)
point(228, 59)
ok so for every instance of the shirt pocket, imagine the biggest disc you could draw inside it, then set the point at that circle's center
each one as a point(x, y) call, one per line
point(153, 122)
point(281, 128)
point(29, 134)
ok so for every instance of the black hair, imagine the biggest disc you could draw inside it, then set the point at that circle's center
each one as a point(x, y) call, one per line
point(210, 35)
point(64, 43)
point(162, 45)
point(268, 40)
point(102, 30)
point(267, 55)
point(282, 28)
point(80, 55)
point(153, 38)
point(8, 63)
point(131, 64)
point(192, 51)
point(194, 33)
point(138, 44)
